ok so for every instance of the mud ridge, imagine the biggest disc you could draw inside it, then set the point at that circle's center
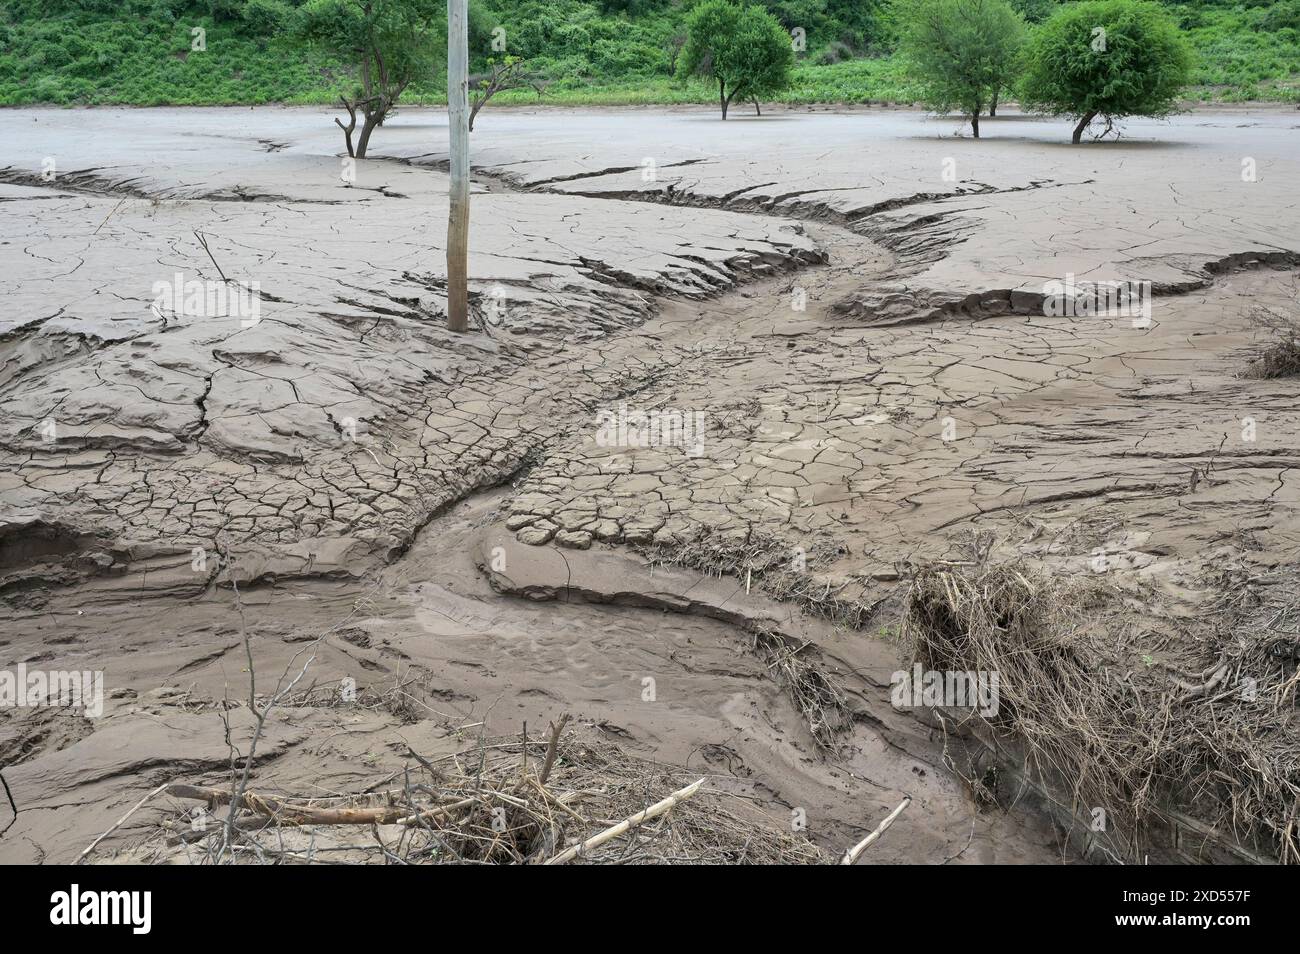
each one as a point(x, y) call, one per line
point(88, 182)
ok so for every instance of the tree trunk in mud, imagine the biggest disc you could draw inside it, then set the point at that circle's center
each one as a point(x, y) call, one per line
point(975, 122)
point(1083, 124)
point(350, 127)
point(367, 127)
point(722, 96)
point(993, 106)
point(757, 110)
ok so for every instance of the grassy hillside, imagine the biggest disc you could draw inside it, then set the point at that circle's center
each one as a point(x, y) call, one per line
point(138, 52)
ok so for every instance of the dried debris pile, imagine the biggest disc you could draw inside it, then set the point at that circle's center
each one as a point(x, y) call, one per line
point(576, 797)
point(1139, 737)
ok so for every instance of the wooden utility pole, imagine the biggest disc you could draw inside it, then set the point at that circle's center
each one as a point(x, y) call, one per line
point(458, 125)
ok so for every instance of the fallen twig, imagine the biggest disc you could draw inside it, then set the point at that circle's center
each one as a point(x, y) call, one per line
point(654, 811)
point(118, 824)
point(204, 242)
point(287, 813)
point(853, 854)
point(109, 216)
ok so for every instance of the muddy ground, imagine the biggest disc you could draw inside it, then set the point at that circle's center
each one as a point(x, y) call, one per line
point(853, 303)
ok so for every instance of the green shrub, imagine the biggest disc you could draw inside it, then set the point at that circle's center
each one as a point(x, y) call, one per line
point(265, 17)
point(223, 10)
point(1281, 16)
point(611, 58)
point(1035, 11)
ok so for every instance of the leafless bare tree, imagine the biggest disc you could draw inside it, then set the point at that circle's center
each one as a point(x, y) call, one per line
point(512, 73)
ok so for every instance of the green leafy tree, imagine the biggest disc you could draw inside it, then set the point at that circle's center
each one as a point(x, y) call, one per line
point(1107, 58)
point(744, 48)
point(961, 53)
point(392, 43)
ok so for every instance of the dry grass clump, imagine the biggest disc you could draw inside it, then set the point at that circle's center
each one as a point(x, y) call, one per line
point(818, 698)
point(765, 561)
point(1279, 360)
point(1118, 730)
point(504, 801)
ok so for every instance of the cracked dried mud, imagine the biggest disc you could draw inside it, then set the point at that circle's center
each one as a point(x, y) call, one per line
point(862, 337)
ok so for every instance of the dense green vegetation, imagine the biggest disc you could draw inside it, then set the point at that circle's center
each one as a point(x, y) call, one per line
point(592, 51)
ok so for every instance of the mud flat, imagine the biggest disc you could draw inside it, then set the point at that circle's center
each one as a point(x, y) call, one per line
point(850, 305)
